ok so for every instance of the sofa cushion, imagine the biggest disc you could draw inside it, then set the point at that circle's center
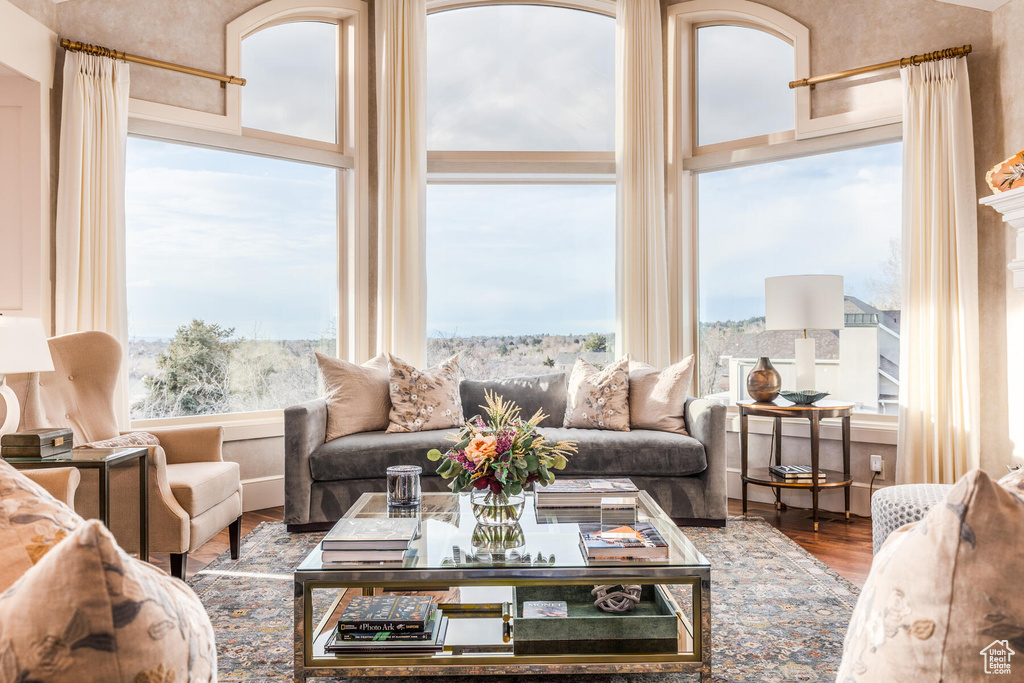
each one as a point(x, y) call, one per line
point(657, 398)
point(637, 452)
point(369, 454)
point(533, 393)
point(198, 486)
point(31, 523)
point(424, 400)
point(89, 613)
point(358, 396)
point(598, 399)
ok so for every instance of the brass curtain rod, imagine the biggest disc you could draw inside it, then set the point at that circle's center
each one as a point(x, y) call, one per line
point(75, 46)
point(906, 61)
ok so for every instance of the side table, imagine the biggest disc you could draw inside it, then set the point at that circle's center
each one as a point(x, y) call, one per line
point(102, 459)
point(778, 409)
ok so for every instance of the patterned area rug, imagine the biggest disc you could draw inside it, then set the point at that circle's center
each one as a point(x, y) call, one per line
point(778, 614)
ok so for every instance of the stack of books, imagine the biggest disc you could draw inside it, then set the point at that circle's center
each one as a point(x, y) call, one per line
point(389, 624)
point(579, 493)
point(639, 542)
point(795, 473)
point(356, 539)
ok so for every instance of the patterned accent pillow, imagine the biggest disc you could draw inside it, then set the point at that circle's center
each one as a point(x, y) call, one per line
point(126, 441)
point(107, 617)
point(423, 400)
point(31, 523)
point(358, 397)
point(598, 399)
point(657, 398)
point(937, 594)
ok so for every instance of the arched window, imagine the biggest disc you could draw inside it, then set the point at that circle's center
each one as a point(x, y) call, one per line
point(248, 228)
point(521, 194)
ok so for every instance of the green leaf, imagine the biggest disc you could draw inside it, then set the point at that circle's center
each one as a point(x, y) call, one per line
point(461, 446)
point(560, 462)
point(515, 488)
point(532, 463)
point(527, 442)
point(434, 455)
point(543, 472)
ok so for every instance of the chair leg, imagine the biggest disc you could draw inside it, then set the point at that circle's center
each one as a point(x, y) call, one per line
point(179, 565)
point(235, 536)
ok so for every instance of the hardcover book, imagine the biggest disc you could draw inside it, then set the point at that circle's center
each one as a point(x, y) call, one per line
point(392, 636)
point(385, 613)
point(352, 533)
point(640, 542)
point(544, 609)
point(794, 472)
point(392, 643)
point(586, 493)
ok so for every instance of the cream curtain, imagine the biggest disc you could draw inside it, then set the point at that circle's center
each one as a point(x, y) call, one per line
point(939, 408)
point(90, 277)
point(642, 265)
point(402, 126)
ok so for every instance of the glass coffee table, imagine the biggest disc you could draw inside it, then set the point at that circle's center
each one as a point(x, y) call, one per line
point(476, 574)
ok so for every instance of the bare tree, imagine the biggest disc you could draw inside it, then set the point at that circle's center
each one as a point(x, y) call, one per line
point(887, 288)
point(713, 339)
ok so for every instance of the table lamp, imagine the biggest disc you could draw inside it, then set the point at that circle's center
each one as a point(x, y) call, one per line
point(804, 302)
point(23, 348)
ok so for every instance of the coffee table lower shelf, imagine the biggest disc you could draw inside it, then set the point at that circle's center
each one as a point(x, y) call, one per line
point(478, 641)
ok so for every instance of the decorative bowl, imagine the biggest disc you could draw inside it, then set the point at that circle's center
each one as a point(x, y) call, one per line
point(803, 398)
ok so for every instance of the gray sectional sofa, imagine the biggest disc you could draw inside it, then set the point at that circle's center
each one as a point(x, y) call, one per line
point(685, 474)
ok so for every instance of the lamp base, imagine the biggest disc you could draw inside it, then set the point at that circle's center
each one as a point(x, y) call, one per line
point(10, 400)
point(805, 364)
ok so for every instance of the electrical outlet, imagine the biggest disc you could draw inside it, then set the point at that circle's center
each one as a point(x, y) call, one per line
point(878, 465)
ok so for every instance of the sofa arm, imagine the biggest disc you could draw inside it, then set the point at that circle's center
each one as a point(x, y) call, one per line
point(60, 482)
point(705, 420)
point(200, 443)
point(305, 430)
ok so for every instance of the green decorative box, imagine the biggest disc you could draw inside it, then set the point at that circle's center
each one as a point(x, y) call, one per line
point(651, 627)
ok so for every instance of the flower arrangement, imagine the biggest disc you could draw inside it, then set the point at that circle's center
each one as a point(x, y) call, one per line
point(503, 453)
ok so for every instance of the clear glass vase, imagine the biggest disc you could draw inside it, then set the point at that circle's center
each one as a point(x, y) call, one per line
point(497, 509)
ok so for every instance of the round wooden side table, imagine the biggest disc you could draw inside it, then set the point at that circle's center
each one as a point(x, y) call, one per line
point(815, 413)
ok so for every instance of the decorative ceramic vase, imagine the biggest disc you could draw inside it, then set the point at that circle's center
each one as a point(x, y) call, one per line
point(764, 382)
point(497, 509)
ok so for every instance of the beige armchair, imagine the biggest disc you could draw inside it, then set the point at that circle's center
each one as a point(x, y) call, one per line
point(59, 482)
point(193, 492)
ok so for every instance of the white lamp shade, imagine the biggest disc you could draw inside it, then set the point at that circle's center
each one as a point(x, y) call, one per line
point(804, 302)
point(23, 346)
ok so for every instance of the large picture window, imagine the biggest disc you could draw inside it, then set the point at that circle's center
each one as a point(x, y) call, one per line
point(836, 213)
point(520, 253)
point(232, 279)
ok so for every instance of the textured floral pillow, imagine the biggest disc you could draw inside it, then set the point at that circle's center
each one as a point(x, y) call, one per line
point(31, 522)
point(941, 591)
point(89, 613)
point(598, 399)
point(422, 400)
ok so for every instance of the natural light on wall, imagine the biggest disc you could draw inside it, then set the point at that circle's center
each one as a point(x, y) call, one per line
point(521, 271)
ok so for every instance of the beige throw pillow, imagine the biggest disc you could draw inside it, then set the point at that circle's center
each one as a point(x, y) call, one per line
point(126, 441)
point(941, 591)
point(598, 399)
point(31, 523)
point(657, 398)
point(88, 613)
point(423, 400)
point(357, 396)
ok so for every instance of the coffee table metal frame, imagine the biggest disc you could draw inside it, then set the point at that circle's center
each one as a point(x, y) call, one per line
point(311, 575)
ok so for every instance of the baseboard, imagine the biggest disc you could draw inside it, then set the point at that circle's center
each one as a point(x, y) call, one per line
point(262, 492)
point(830, 500)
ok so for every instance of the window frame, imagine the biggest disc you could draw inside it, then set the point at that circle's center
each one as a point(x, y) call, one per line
point(685, 161)
point(349, 156)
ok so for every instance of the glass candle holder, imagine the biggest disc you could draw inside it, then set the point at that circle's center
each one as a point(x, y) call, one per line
point(404, 485)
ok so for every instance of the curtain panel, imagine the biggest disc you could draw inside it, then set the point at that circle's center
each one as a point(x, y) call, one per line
point(939, 404)
point(641, 260)
point(402, 129)
point(90, 277)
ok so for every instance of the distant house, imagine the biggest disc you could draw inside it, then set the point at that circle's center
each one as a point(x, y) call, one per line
point(859, 363)
point(566, 359)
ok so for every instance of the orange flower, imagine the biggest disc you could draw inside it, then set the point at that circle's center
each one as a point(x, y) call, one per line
point(481, 448)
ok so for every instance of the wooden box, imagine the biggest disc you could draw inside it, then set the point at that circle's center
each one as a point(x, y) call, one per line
point(651, 627)
point(37, 443)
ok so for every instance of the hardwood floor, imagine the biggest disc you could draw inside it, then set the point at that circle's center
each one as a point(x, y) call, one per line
point(843, 546)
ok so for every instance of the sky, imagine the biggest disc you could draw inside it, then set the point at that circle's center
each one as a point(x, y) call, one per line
point(250, 243)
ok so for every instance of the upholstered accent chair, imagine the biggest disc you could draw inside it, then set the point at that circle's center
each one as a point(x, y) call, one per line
point(193, 492)
point(59, 482)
